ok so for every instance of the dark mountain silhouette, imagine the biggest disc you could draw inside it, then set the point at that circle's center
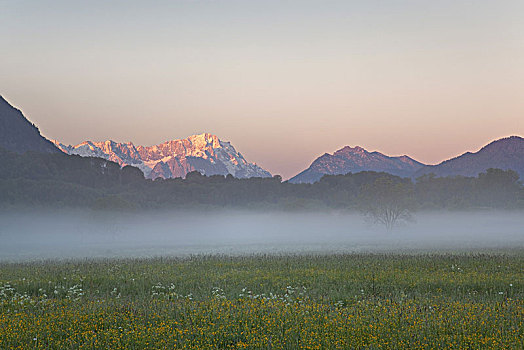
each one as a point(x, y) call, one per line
point(356, 159)
point(506, 153)
point(18, 134)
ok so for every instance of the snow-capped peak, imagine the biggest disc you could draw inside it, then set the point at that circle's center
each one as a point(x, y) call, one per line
point(204, 152)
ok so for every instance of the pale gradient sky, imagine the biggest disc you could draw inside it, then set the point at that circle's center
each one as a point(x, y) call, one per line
point(284, 81)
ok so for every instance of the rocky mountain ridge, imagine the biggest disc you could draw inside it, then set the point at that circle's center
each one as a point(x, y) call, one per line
point(205, 153)
point(356, 159)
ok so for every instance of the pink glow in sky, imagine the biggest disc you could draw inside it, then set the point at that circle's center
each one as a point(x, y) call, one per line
point(284, 81)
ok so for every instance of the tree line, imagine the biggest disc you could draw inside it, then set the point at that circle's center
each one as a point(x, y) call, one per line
point(59, 180)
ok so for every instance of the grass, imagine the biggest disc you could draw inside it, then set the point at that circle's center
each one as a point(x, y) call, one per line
point(439, 301)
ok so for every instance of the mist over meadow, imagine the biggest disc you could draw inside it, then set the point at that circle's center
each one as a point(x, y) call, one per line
point(69, 234)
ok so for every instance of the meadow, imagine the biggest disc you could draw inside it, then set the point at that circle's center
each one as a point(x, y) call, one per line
point(328, 301)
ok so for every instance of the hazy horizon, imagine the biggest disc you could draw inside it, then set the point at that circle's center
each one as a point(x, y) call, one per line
point(285, 82)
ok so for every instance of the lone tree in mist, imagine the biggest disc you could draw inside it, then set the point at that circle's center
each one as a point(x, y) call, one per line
point(387, 201)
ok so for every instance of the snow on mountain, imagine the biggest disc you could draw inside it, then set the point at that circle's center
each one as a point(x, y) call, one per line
point(205, 153)
point(356, 159)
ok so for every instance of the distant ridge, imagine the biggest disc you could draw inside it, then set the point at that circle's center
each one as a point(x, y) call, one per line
point(204, 153)
point(506, 153)
point(356, 159)
point(17, 134)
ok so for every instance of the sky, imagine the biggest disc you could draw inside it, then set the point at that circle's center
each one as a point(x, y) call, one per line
point(284, 81)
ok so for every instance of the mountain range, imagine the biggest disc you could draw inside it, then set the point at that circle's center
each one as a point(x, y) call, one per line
point(209, 155)
point(205, 153)
point(354, 160)
point(506, 153)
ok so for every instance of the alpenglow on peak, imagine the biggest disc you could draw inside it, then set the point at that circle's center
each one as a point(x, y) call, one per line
point(204, 153)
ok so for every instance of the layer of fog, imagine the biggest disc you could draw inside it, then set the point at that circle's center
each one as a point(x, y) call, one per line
point(69, 234)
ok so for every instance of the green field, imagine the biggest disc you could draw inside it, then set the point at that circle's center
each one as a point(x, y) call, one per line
point(438, 301)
